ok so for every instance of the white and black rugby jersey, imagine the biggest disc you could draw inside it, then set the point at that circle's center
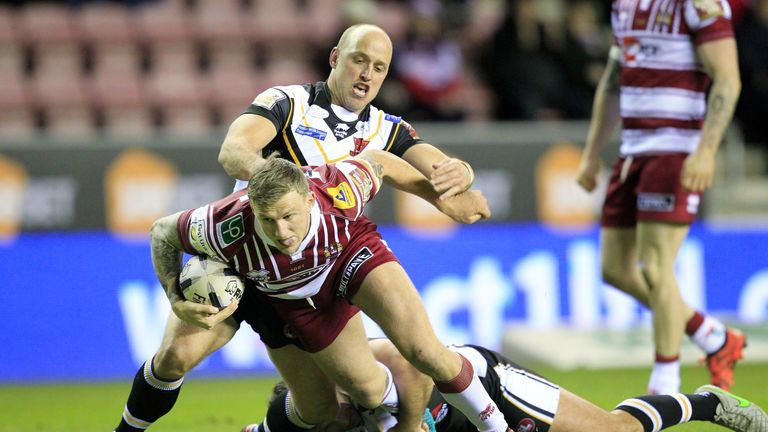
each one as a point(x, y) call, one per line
point(310, 132)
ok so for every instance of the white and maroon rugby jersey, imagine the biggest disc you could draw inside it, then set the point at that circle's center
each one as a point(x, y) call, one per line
point(663, 86)
point(228, 229)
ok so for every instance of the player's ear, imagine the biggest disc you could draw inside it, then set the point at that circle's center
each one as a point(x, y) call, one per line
point(311, 199)
point(334, 57)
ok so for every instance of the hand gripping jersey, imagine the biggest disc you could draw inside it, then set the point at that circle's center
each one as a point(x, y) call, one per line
point(663, 87)
point(310, 132)
point(229, 230)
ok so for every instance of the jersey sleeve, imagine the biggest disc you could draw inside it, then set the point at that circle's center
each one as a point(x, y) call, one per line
point(216, 229)
point(361, 176)
point(403, 137)
point(273, 104)
point(708, 20)
point(344, 187)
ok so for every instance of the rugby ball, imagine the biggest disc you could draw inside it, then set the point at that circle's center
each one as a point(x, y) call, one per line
point(207, 280)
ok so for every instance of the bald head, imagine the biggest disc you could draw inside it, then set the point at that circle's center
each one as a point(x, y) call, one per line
point(358, 31)
point(359, 64)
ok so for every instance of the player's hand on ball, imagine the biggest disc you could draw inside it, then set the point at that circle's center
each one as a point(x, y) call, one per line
point(201, 315)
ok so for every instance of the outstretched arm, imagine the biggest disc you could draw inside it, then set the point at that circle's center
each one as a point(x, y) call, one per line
point(467, 207)
point(241, 150)
point(720, 62)
point(449, 176)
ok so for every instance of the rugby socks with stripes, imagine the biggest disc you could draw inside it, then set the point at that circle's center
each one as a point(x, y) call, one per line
point(151, 397)
point(706, 332)
point(660, 412)
point(467, 394)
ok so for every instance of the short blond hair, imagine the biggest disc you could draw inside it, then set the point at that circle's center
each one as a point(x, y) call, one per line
point(273, 179)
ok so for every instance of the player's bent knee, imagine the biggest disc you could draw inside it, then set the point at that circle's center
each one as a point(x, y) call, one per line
point(368, 394)
point(173, 362)
point(316, 412)
point(615, 276)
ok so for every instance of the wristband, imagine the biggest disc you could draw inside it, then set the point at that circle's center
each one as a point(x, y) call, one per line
point(471, 174)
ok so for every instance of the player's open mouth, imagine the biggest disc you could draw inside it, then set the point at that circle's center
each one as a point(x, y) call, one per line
point(360, 90)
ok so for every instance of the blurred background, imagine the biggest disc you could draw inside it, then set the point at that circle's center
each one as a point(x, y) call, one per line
point(112, 113)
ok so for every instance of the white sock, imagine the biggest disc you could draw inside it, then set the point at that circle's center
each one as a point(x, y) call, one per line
point(665, 378)
point(710, 336)
point(473, 400)
point(390, 400)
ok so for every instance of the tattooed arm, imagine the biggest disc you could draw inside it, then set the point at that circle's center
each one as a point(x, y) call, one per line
point(166, 259)
point(605, 116)
point(166, 255)
point(720, 62)
point(467, 207)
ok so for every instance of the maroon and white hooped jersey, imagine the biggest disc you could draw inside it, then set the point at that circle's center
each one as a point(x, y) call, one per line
point(228, 229)
point(663, 86)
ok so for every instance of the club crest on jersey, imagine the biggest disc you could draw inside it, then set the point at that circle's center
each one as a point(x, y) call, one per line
point(341, 130)
point(230, 230)
point(343, 197)
point(333, 250)
point(359, 145)
point(268, 98)
point(257, 275)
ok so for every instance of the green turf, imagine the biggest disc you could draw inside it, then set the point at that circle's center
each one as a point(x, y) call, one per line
point(227, 404)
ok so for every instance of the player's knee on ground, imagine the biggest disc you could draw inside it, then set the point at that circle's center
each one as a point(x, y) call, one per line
point(173, 362)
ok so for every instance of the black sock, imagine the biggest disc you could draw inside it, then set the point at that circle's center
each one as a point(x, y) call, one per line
point(660, 412)
point(277, 416)
point(151, 398)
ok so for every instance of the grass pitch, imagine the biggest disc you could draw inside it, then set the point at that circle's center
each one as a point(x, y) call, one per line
point(225, 405)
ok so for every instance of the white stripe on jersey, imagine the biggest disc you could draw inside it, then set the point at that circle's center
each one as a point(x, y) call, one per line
point(638, 141)
point(531, 394)
point(214, 241)
point(305, 290)
point(662, 102)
